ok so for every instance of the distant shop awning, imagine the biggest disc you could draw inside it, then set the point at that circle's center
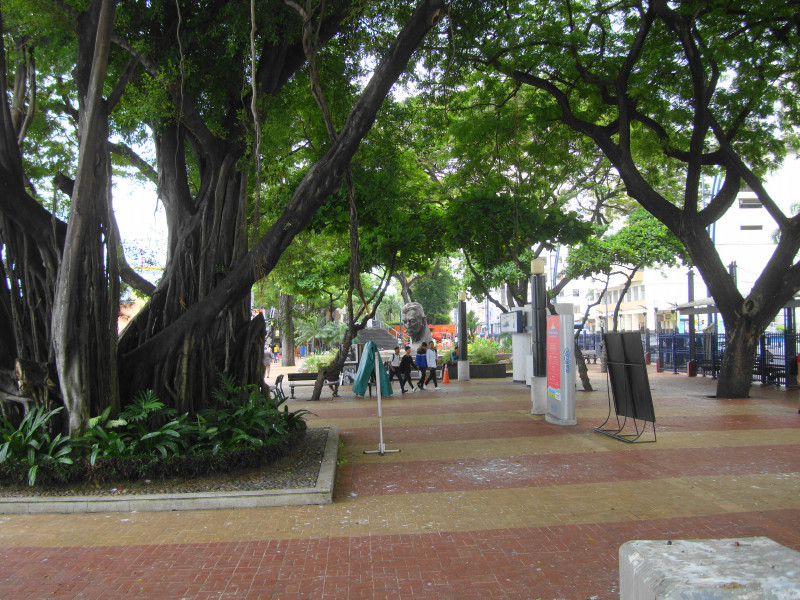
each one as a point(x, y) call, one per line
point(705, 306)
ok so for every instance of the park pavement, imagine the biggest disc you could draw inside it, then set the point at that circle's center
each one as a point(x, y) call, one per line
point(483, 501)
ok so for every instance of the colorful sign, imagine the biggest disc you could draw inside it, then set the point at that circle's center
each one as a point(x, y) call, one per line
point(553, 359)
point(560, 370)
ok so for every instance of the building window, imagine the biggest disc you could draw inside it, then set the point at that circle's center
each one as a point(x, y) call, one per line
point(749, 200)
point(576, 292)
point(752, 227)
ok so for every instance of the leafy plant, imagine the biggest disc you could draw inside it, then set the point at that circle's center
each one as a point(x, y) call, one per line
point(101, 439)
point(483, 351)
point(153, 427)
point(31, 443)
point(317, 361)
point(243, 417)
point(144, 427)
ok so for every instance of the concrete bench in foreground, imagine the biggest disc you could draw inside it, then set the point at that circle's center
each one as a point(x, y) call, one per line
point(748, 568)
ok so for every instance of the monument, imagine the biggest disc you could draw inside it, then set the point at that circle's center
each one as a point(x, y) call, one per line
point(416, 325)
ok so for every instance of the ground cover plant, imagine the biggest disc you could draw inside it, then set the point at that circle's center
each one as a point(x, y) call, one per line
point(244, 429)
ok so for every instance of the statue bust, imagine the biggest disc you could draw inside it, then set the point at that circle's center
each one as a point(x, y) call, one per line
point(416, 325)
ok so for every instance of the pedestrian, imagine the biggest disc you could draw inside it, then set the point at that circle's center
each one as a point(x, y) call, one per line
point(394, 365)
point(431, 360)
point(454, 355)
point(404, 371)
point(332, 381)
point(276, 352)
point(422, 364)
point(268, 358)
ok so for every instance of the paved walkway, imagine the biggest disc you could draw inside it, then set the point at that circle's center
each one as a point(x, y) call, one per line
point(484, 501)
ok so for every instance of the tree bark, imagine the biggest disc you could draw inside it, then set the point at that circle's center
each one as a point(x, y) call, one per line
point(86, 301)
point(738, 361)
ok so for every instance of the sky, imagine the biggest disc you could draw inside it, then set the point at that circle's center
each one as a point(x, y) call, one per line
point(142, 226)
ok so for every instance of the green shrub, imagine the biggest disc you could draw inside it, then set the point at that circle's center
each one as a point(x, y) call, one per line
point(30, 446)
point(245, 429)
point(483, 351)
point(243, 416)
point(145, 427)
point(317, 361)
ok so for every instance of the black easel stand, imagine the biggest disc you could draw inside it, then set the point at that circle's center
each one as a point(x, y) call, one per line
point(630, 389)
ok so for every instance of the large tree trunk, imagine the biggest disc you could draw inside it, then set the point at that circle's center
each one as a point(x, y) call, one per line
point(736, 371)
point(86, 303)
point(30, 247)
point(207, 238)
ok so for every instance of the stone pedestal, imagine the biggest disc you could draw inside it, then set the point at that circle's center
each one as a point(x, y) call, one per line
point(463, 370)
point(745, 568)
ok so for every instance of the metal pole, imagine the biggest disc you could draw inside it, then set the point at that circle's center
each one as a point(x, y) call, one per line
point(790, 348)
point(538, 338)
point(381, 447)
point(539, 348)
point(692, 350)
point(463, 357)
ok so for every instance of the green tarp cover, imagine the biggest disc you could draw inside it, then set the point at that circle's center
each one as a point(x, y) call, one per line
point(365, 370)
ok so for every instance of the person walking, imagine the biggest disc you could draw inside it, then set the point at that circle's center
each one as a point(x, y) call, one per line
point(404, 371)
point(422, 364)
point(268, 358)
point(430, 358)
point(394, 366)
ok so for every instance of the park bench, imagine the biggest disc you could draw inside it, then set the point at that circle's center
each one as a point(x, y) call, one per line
point(300, 379)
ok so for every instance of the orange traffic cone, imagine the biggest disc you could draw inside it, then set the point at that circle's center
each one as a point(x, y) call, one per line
point(446, 377)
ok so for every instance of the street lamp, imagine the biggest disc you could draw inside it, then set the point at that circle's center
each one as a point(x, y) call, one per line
point(463, 361)
point(538, 338)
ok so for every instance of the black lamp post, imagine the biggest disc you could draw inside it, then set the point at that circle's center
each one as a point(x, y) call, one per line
point(538, 338)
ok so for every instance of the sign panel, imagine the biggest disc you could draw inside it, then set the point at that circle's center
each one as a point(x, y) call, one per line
point(512, 322)
point(553, 358)
point(560, 370)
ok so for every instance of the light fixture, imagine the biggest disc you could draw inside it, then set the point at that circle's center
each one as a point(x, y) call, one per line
point(537, 266)
point(462, 296)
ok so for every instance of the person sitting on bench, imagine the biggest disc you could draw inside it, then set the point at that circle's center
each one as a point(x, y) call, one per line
point(332, 381)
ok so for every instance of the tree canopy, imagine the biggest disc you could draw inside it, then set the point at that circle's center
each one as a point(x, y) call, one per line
point(710, 87)
point(514, 114)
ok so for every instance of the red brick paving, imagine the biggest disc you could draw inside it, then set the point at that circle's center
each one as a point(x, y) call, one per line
point(574, 561)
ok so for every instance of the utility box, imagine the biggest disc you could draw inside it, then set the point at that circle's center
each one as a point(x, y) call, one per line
point(521, 348)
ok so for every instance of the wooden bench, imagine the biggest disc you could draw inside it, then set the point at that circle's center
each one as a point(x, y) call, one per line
point(300, 379)
point(590, 353)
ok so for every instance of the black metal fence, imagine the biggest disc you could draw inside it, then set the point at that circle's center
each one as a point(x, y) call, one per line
point(775, 358)
point(776, 355)
point(591, 344)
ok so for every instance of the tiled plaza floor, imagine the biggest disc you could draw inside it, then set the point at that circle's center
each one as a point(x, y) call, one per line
point(483, 501)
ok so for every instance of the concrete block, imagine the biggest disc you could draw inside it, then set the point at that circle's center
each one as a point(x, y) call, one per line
point(729, 569)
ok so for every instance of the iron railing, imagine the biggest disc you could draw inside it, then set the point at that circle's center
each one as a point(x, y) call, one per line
point(776, 356)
